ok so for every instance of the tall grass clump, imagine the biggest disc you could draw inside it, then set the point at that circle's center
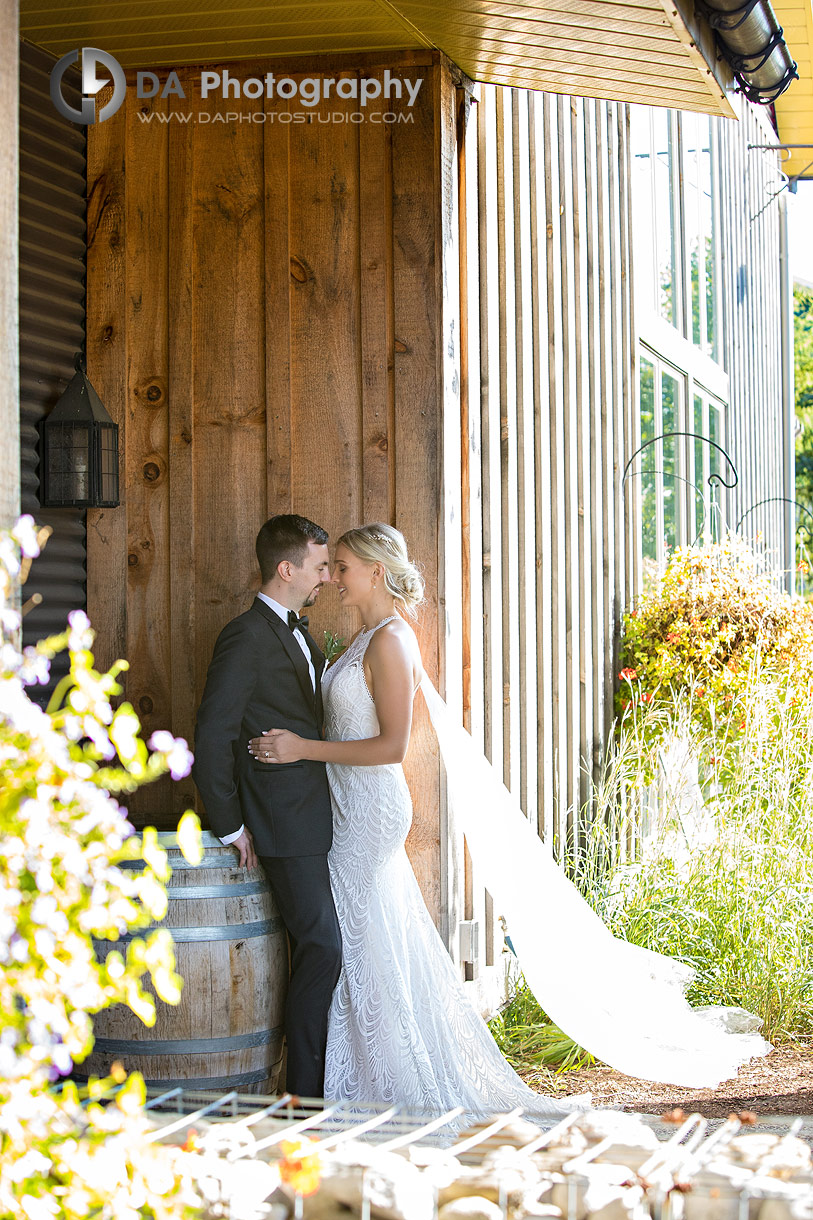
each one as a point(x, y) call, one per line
point(712, 863)
point(697, 839)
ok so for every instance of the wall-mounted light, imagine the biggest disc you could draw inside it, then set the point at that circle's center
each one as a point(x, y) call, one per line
point(79, 449)
point(751, 41)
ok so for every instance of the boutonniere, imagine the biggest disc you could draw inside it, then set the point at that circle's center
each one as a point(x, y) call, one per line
point(334, 647)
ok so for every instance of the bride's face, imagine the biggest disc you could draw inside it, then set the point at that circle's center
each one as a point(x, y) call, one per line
point(352, 576)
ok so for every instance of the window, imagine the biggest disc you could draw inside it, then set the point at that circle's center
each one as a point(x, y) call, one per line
point(676, 223)
point(683, 386)
point(678, 503)
point(701, 233)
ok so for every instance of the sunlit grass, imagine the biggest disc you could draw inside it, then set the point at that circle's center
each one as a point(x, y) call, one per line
point(729, 892)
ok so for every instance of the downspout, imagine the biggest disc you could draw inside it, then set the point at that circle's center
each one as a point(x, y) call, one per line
point(788, 394)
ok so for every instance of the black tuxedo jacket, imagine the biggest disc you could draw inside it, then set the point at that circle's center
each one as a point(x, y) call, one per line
point(258, 679)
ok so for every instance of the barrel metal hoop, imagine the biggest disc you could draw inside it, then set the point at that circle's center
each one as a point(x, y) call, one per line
point(195, 1083)
point(239, 931)
point(179, 864)
point(187, 1046)
point(238, 890)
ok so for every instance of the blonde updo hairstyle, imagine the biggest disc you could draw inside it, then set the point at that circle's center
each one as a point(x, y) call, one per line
point(384, 544)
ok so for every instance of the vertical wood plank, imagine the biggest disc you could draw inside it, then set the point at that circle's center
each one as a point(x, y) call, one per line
point(279, 423)
point(377, 313)
point(107, 370)
point(9, 356)
point(490, 425)
point(183, 590)
point(229, 386)
point(418, 471)
point(556, 391)
point(525, 508)
point(146, 459)
point(508, 439)
point(543, 374)
point(325, 335)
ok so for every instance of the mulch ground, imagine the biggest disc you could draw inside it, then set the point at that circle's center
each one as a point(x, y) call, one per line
point(781, 1083)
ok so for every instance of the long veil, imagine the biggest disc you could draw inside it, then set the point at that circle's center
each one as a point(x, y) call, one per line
point(624, 1004)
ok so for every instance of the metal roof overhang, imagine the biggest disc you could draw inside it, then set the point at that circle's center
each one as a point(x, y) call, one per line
point(651, 51)
point(794, 109)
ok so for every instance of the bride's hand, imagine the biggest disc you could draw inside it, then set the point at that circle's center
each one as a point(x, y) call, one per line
point(276, 746)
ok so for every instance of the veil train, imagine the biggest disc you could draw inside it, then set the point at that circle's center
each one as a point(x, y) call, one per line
point(624, 1004)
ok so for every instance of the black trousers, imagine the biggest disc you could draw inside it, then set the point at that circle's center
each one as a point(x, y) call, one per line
point(301, 886)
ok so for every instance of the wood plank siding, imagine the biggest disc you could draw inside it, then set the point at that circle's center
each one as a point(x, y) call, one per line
point(428, 323)
point(265, 312)
point(9, 299)
point(547, 419)
point(751, 182)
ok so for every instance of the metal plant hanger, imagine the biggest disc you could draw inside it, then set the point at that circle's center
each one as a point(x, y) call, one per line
point(714, 480)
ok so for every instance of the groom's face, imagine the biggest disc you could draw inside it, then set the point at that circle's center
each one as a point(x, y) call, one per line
point(307, 580)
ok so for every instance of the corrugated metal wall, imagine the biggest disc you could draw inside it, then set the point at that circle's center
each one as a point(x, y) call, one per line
point(548, 421)
point(52, 323)
point(751, 183)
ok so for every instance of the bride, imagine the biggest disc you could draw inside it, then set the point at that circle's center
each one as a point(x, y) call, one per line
point(402, 1027)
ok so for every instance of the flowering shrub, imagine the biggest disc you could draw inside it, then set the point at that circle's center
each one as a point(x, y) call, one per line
point(715, 620)
point(62, 836)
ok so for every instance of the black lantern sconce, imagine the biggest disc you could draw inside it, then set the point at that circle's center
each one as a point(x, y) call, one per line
point(79, 450)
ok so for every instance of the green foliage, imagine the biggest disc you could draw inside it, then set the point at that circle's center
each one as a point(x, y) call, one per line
point(726, 886)
point(803, 364)
point(528, 1039)
point(62, 838)
point(334, 646)
point(714, 619)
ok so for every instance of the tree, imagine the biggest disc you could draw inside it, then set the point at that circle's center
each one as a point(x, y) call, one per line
point(803, 366)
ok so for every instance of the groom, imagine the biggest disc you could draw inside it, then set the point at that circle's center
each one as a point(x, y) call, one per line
point(266, 671)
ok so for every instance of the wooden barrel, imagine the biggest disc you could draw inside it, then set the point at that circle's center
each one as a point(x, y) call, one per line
point(231, 950)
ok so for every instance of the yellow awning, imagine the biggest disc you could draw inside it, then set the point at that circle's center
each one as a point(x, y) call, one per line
point(794, 109)
point(650, 51)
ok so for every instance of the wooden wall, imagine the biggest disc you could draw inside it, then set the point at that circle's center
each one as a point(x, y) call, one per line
point(9, 364)
point(547, 422)
point(751, 184)
point(264, 315)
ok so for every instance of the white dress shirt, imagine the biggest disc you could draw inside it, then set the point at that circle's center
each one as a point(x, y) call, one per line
point(306, 652)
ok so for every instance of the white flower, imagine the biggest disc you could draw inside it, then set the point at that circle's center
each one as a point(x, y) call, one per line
point(178, 755)
point(28, 1164)
point(124, 734)
point(42, 1208)
point(11, 620)
point(9, 557)
point(35, 667)
point(80, 635)
point(25, 532)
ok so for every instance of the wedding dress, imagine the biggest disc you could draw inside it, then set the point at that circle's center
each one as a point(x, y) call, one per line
point(401, 1026)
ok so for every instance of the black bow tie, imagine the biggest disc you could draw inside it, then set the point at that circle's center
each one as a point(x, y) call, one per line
point(294, 621)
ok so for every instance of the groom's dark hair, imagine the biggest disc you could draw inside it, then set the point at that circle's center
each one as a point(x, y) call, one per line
point(286, 536)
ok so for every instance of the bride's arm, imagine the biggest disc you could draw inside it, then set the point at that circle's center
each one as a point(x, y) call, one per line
point(393, 686)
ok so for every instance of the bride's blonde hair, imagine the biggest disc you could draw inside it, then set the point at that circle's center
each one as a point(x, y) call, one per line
point(384, 544)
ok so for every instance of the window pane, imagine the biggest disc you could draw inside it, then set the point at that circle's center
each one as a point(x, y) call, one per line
point(641, 140)
point(669, 414)
point(716, 465)
point(648, 463)
point(708, 221)
point(695, 249)
point(665, 216)
point(698, 493)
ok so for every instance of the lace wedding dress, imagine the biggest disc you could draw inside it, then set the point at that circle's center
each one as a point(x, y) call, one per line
point(401, 1027)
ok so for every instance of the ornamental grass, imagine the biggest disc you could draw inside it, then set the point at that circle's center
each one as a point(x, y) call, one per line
point(697, 839)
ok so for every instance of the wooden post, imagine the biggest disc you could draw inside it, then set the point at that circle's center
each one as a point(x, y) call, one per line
point(9, 369)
